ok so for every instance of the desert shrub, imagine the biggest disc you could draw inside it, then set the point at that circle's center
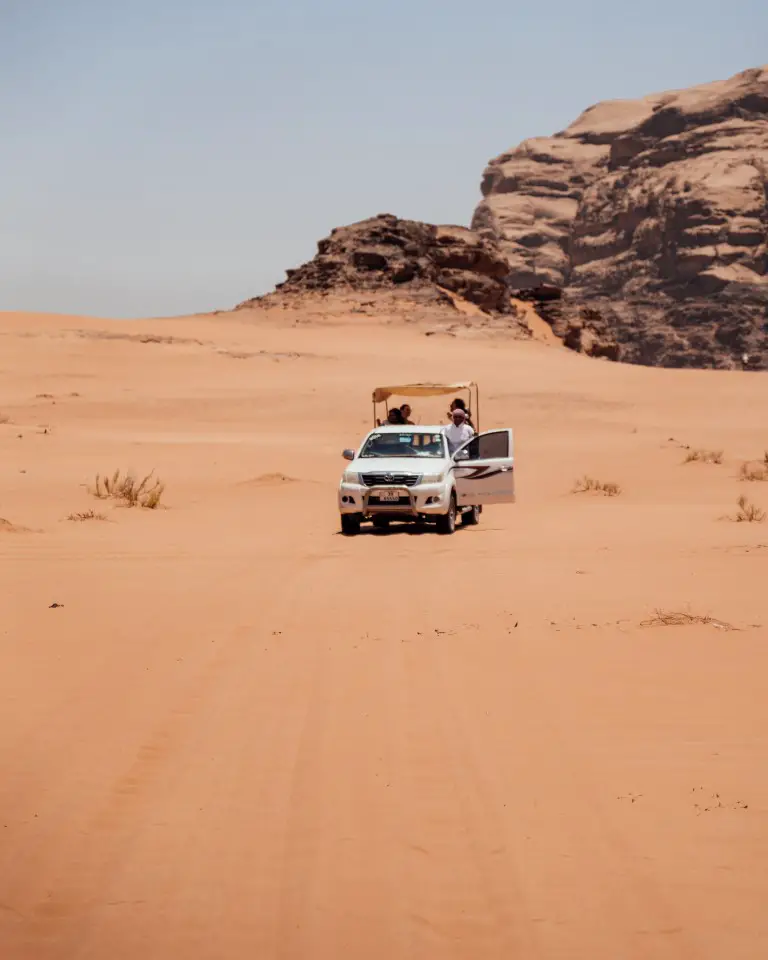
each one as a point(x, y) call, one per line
point(129, 490)
point(753, 471)
point(676, 618)
point(704, 456)
point(748, 512)
point(588, 484)
point(87, 515)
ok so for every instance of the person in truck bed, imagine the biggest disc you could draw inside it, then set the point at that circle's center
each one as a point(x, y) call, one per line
point(394, 418)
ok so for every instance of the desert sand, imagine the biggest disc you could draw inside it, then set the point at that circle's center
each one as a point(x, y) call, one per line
point(240, 734)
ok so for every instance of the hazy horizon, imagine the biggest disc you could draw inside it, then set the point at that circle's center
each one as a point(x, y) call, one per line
point(177, 157)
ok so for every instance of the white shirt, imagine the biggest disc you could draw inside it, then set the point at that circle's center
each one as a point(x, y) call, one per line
point(457, 436)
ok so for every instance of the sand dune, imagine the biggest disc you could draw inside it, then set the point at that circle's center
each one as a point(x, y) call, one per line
point(240, 734)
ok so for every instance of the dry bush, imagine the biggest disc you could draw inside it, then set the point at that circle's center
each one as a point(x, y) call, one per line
point(87, 515)
point(704, 456)
point(754, 471)
point(588, 484)
point(610, 489)
point(748, 512)
point(129, 490)
point(585, 484)
point(674, 618)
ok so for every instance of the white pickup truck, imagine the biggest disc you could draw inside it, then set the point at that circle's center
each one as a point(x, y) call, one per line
point(407, 472)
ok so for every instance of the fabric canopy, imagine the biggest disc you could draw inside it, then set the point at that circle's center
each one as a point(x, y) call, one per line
point(380, 394)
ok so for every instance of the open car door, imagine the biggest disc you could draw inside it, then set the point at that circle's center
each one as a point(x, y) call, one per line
point(485, 469)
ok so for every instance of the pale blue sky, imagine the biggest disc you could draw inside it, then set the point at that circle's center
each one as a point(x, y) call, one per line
point(162, 157)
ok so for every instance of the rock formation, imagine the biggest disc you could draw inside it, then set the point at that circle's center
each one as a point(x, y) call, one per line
point(650, 217)
point(422, 260)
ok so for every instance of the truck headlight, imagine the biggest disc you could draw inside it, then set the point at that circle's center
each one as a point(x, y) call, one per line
point(351, 476)
point(432, 477)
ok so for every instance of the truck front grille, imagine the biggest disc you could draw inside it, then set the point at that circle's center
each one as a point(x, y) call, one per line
point(389, 479)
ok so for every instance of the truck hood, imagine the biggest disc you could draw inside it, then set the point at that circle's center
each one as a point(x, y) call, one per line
point(417, 465)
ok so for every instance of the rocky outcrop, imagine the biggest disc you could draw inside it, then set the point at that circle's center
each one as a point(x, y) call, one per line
point(651, 218)
point(420, 259)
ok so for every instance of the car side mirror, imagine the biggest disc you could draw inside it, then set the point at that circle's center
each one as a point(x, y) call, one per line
point(348, 454)
point(461, 455)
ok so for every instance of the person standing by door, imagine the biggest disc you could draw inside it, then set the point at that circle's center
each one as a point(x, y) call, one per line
point(458, 430)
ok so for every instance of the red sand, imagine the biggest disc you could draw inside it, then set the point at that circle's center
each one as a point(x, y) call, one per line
point(242, 735)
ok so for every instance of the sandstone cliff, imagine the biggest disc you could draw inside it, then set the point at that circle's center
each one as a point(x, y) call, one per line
point(421, 260)
point(651, 217)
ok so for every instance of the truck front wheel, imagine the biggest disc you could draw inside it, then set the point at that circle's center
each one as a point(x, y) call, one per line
point(350, 524)
point(447, 522)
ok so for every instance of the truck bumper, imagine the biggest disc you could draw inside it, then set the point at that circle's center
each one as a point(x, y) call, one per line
point(423, 500)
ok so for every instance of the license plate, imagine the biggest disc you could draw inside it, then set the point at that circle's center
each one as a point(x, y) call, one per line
point(389, 496)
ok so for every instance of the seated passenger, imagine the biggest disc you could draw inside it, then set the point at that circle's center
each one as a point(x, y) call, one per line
point(458, 431)
point(405, 412)
point(394, 419)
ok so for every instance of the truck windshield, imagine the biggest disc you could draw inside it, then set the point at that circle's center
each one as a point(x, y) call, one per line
point(405, 444)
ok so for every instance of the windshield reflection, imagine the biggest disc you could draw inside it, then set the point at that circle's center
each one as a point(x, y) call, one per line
point(405, 444)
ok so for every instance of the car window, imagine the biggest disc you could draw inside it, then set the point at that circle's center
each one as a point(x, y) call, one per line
point(489, 446)
point(404, 444)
